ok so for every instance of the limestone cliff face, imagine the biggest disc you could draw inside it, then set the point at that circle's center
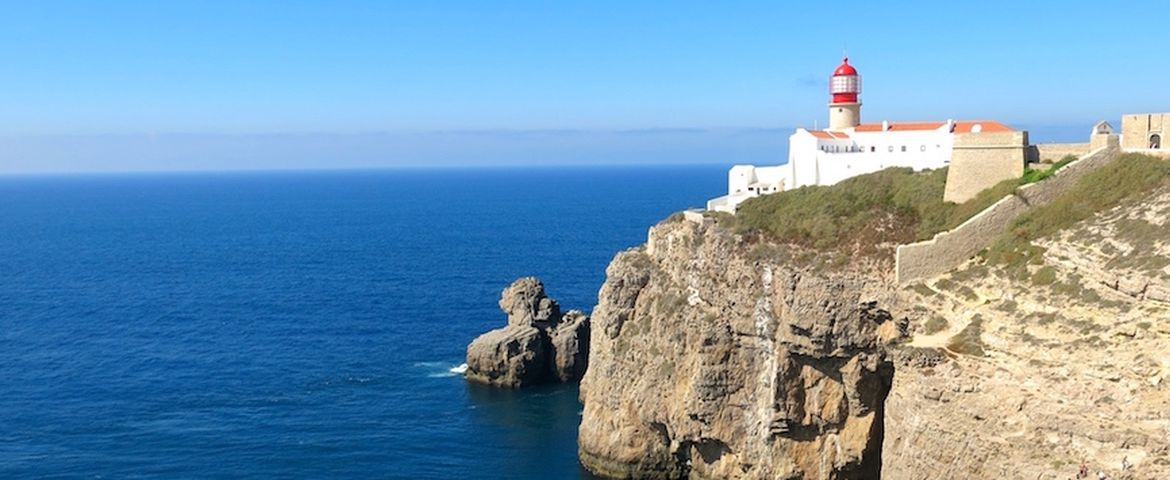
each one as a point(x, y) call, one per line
point(711, 360)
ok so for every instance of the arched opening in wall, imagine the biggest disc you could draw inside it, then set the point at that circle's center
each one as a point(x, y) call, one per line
point(1155, 141)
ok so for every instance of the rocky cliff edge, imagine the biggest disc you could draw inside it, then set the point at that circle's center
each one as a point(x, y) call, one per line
point(711, 358)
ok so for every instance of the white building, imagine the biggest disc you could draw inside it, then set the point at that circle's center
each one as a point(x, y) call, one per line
point(849, 148)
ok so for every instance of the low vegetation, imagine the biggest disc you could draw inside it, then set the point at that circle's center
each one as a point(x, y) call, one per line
point(1128, 178)
point(935, 324)
point(1033, 175)
point(892, 206)
point(969, 341)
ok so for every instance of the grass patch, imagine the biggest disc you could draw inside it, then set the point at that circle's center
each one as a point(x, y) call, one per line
point(969, 340)
point(935, 324)
point(967, 293)
point(1046, 275)
point(945, 284)
point(1033, 175)
point(971, 273)
point(895, 205)
point(1130, 176)
point(923, 290)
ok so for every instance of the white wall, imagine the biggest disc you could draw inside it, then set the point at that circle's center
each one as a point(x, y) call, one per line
point(916, 149)
point(826, 161)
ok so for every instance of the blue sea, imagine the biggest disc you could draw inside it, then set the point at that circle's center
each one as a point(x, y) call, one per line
point(297, 324)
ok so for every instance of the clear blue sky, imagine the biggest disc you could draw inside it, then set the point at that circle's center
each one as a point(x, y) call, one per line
point(207, 84)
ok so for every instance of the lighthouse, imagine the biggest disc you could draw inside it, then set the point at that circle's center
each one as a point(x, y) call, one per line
point(978, 153)
point(845, 107)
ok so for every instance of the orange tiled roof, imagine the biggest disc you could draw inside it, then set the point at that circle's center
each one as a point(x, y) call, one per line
point(963, 126)
point(827, 135)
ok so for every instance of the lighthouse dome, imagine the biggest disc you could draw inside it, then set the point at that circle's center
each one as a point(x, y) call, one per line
point(844, 69)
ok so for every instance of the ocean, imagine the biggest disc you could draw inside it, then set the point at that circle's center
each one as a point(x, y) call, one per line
point(297, 324)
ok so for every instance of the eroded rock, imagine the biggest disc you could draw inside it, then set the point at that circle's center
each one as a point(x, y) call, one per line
point(710, 362)
point(538, 345)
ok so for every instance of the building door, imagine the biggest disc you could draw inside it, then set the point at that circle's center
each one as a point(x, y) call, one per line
point(1155, 141)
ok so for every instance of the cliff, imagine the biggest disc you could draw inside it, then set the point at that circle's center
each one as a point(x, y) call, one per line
point(722, 355)
point(712, 357)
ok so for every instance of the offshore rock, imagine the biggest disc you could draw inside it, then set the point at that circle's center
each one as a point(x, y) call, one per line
point(539, 344)
point(570, 347)
point(514, 356)
point(712, 358)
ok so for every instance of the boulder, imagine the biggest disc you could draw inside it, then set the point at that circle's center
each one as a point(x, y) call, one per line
point(526, 303)
point(513, 356)
point(538, 345)
point(570, 347)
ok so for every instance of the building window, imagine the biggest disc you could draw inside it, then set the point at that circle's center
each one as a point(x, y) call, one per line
point(922, 149)
point(872, 149)
point(1155, 141)
point(891, 149)
point(903, 148)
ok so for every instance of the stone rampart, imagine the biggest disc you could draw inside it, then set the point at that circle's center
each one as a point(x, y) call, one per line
point(951, 248)
point(1056, 151)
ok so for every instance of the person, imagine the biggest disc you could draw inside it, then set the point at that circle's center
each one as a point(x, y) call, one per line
point(1125, 465)
point(1084, 472)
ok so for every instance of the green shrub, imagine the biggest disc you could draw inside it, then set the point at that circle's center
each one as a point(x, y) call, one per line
point(1045, 276)
point(923, 290)
point(934, 325)
point(1035, 175)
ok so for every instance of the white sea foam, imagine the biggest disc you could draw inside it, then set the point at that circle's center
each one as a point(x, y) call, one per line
point(445, 369)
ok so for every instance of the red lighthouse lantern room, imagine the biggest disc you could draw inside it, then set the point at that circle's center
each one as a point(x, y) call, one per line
point(845, 84)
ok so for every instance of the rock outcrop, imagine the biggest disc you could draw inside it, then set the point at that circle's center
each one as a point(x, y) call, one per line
point(538, 345)
point(715, 355)
point(711, 360)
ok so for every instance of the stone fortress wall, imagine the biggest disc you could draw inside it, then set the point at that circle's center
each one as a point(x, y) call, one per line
point(1139, 131)
point(1052, 152)
point(982, 160)
point(947, 250)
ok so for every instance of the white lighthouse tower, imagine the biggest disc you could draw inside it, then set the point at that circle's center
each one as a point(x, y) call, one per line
point(845, 108)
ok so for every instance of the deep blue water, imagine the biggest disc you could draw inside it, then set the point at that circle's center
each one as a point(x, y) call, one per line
point(296, 325)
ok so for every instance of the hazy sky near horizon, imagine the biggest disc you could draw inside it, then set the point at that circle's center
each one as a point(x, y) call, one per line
point(182, 85)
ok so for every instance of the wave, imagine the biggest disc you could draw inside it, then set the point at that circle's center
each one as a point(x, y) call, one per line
point(447, 370)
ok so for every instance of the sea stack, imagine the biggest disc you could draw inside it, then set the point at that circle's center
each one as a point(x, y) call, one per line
point(538, 345)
